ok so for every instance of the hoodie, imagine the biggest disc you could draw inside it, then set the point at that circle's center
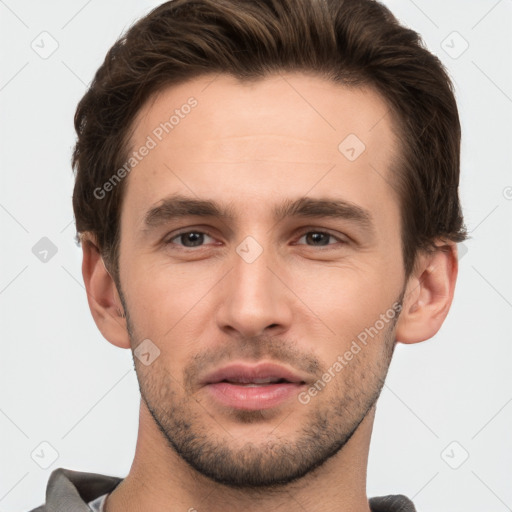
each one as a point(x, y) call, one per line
point(75, 491)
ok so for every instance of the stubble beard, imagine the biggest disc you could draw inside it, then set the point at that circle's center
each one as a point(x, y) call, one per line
point(207, 445)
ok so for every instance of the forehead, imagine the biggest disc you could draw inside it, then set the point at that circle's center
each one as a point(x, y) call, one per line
point(252, 105)
point(283, 135)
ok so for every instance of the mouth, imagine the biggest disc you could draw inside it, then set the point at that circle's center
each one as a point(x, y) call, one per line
point(262, 386)
point(256, 382)
point(260, 374)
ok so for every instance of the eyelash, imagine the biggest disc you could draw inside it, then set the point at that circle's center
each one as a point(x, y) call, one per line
point(169, 241)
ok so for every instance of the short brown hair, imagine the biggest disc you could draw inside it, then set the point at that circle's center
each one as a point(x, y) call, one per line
point(352, 42)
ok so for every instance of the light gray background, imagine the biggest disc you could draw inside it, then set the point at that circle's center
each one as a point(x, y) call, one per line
point(63, 384)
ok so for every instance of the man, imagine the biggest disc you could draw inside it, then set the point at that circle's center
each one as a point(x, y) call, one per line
point(266, 195)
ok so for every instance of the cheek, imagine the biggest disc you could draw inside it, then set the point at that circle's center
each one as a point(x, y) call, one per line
point(356, 305)
point(164, 299)
point(348, 298)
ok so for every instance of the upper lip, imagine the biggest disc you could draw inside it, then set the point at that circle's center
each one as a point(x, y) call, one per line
point(245, 374)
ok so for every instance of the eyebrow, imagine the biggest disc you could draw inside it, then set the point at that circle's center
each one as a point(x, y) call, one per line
point(179, 206)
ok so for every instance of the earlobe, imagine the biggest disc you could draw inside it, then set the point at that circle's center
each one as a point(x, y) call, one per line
point(102, 296)
point(428, 295)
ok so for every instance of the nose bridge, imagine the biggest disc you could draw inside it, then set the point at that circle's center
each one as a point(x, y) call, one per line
point(251, 275)
point(254, 298)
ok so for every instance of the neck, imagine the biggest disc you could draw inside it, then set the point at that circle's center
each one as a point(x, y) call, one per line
point(160, 480)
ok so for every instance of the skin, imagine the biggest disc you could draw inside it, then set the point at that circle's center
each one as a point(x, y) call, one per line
point(300, 303)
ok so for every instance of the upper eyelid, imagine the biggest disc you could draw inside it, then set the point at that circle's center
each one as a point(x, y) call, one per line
point(185, 231)
point(324, 231)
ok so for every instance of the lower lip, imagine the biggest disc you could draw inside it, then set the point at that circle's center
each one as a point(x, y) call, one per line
point(253, 397)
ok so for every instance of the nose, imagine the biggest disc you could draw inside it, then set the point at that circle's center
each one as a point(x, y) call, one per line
point(255, 298)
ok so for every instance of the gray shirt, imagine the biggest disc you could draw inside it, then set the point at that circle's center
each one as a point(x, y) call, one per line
point(75, 491)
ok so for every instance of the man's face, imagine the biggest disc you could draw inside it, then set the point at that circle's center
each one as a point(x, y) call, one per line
point(304, 291)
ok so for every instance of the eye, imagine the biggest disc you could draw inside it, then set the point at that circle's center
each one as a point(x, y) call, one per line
point(320, 238)
point(189, 239)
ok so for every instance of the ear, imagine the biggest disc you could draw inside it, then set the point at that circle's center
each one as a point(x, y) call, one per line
point(102, 295)
point(429, 294)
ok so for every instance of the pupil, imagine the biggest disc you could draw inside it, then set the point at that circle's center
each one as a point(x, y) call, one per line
point(316, 237)
point(192, 237)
